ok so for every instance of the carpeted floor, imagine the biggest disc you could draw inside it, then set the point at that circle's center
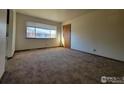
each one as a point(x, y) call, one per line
point(59, 65)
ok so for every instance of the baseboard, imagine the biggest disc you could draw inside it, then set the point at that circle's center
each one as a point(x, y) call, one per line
point(36, 48)
point(69, 48)
point(30, 50)
point(10, 56)
point(97, 55)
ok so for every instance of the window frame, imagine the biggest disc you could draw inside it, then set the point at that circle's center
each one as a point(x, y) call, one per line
point(35, 33)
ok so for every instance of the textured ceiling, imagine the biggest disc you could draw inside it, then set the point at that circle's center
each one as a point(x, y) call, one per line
point(58, 15)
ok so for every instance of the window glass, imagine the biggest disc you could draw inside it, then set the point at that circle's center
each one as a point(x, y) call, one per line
point(35, 32)
point(30, 32)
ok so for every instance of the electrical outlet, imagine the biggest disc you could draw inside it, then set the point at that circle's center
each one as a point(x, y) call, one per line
point(94, 50)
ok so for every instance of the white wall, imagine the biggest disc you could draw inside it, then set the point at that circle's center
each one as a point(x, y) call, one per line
point(23, 43)
point(11, 34)
point(102, 30)
point(3, 15)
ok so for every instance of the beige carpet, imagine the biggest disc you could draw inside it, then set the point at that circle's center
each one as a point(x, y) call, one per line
point(59, 65)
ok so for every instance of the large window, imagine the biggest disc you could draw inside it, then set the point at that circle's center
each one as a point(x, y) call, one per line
point(40, 32)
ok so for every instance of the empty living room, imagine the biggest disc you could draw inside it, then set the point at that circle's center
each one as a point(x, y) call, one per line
point(61, 46)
